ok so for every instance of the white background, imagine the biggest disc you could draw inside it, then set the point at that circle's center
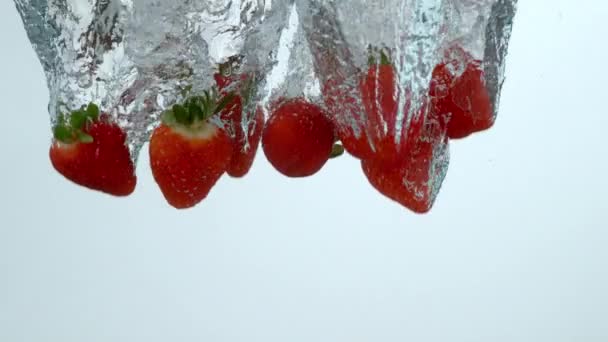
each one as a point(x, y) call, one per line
point(515, 249)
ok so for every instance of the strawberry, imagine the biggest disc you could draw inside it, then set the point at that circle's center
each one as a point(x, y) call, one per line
point(376, 136)
point(246, 142)
point(341, 103)
point(380, 98)
point(463, 97)
point(227, 72)
point(91, 151)
point(298, 138)
point(188, 151)
point(414, 181)
point(246, 147)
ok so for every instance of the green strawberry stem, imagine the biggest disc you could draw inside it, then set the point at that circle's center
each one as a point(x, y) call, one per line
point(197, 109)
point(70, 128)
point(186, 90)
point(336, 151)
point(373, 51)
point(385, 59)
point(230, 66)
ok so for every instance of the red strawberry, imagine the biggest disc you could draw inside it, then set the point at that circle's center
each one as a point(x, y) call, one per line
point(246, 147)
point(376, 136)
point(227, 72)
point(356, 143)
point(91, 151)
point(380, 98)
point(222, 81)
point(245, 142)
point(415, 181)
point(188, 152)
point(342, 104)
point(464, 97)
point(298, 138)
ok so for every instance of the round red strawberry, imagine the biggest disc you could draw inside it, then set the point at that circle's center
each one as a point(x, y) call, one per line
point(463, 98)
point(91, 151)
point(298, 138)
point(188, 152)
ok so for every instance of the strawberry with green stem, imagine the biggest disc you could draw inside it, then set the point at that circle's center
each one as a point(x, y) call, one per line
point(381, 99)
point(90, 150)
point(188, 151)
point(404, 168)
point(377, 135)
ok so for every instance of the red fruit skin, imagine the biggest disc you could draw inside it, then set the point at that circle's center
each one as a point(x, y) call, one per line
point(104, 165)
point(464, 98)
point(381, 102)
point(379, 96)
point(414, 181)
point(225, 81)
point(186, 167)
point(393, 183)
point(342, 106)
point(232, 116)
point(378, 136)
point(222, 81)
point(245, 143)
point(357, 145)
point(246, 147)
point(298, 138)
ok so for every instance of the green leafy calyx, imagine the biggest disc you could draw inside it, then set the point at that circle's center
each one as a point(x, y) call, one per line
point(71, 128)
point(378, 56)
point(336, 151)
point(230, 67)
point(197, 109)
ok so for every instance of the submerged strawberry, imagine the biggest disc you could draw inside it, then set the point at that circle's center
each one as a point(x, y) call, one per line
point(463, 98)
point(188, 152)
point(246, 129)
point(246, 143)
point(91, 151)
point(298, 138)
point(376, 135)
point(382, 99)
point(342, 105)
point(415, 180)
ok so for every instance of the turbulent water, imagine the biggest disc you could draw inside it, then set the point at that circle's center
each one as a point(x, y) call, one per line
point(137, 57)
point(417, 34)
